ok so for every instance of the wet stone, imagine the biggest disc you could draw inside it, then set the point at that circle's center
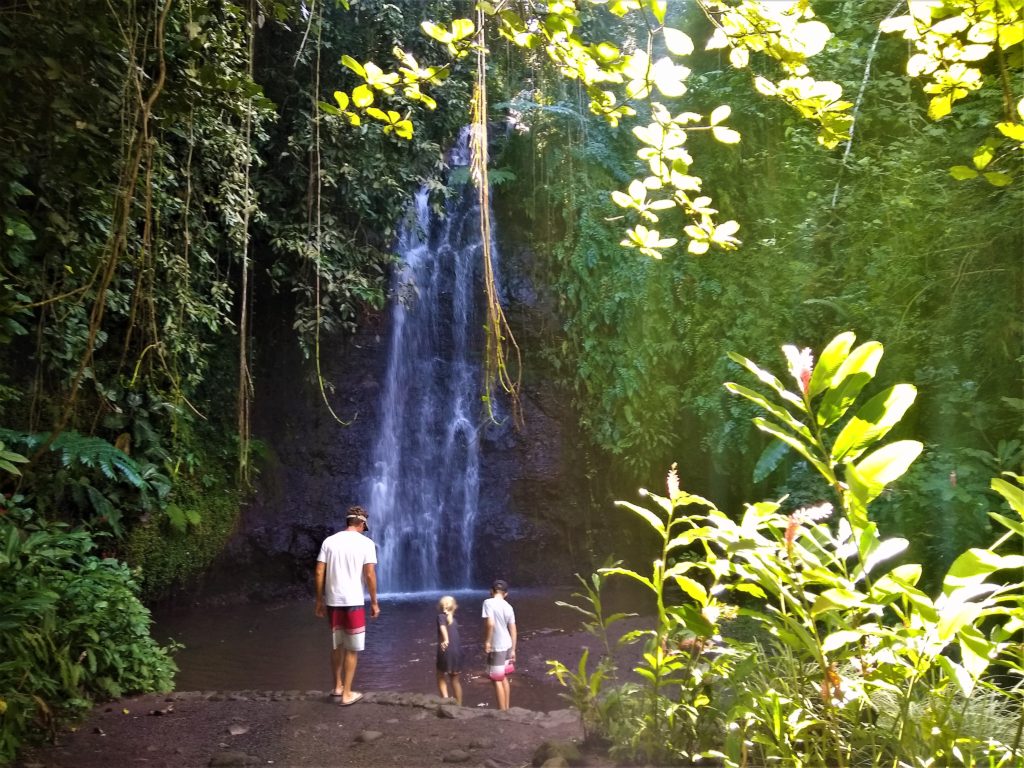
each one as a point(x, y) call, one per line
point(549, 750)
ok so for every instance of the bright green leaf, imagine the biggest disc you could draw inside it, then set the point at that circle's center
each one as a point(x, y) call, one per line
point(719, 114)
point(998, 178)
point(831, 358)
point(873, 421)
point(354, 65)
point(725, 135)
point(1014, 494)
point(655, 522)
point(677, 42)
point(962, 172)
point(846, 384)
point(362, 96)
point(840, 639)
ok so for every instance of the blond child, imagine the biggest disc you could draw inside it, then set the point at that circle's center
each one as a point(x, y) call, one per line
point(449, 651)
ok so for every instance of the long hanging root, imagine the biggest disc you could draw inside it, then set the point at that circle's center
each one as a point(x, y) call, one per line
point(316, 188)
point(501, 346)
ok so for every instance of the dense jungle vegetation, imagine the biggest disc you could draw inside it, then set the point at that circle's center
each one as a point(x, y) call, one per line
point(167, 170)
point(162, 167)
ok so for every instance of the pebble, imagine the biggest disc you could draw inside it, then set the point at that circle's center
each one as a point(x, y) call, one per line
point(368, 736)
point(456, 756)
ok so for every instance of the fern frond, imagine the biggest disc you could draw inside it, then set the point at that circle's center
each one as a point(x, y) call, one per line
point(76, 449)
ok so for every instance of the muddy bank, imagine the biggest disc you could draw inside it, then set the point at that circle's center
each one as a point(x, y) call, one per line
point(308, 728)
point(304, 729)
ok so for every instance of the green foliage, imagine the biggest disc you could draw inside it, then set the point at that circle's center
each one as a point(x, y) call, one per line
point(856, 665)
point(624, 79)
point(92, 480)
point(587, 689)
point(954, 40)
point(171, 552)
point(72, 629)
point(147, 183)
point(8, 460)
point(880, 239)
point(333, 192)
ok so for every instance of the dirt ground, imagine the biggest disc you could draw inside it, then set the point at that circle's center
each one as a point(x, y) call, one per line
point(293, 728)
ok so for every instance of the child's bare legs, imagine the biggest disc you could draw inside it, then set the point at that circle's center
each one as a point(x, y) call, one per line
point(442, 685)
point(456, 687)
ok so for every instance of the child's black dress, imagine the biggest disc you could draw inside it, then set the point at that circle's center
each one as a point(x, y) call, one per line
point(449, 660)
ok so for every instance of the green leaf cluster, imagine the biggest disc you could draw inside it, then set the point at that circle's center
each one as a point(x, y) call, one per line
point(880, 240)
point(72, 629)
point(854, 663)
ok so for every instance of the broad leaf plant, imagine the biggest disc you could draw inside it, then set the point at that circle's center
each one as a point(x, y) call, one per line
point(853, 664)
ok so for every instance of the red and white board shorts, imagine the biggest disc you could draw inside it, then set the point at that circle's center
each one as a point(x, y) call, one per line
point(497, 664)
point(348, 626)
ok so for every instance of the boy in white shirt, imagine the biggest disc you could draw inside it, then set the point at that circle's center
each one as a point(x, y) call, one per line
point(499, 639)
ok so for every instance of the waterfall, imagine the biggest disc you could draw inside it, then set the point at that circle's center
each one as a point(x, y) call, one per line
point(424, 482)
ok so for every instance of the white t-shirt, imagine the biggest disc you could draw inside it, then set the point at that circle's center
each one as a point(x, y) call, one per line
point(499, 610)
point(345, 553)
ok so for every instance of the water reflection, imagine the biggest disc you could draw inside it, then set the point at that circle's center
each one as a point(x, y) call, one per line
point(283, 646)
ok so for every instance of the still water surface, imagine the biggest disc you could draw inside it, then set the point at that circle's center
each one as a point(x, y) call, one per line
point(282, 646)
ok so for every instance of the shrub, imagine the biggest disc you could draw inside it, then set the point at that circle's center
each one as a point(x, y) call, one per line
point(857, 665)
point(72, 629)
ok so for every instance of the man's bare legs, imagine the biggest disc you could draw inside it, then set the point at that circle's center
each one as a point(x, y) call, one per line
point(343, 665)
point(339, 688)
point(348, 674)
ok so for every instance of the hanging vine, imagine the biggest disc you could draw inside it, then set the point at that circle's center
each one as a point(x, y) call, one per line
point(502, 361)
point(315, 206)
point(137, 155)
point(245, 384)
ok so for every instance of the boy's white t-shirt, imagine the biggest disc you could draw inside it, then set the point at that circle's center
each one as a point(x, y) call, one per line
point(499, 610)
point(345, 553)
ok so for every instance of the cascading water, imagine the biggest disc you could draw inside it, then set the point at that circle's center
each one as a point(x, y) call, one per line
point(425, 478)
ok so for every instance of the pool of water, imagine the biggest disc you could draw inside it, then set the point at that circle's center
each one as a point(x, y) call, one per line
point(281, 646)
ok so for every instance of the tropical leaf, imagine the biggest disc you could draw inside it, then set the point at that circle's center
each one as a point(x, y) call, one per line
point(873, 421)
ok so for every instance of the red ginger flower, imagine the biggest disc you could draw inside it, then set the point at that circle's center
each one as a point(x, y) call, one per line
point(801, 365)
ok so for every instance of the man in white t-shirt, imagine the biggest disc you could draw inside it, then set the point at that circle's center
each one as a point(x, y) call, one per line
point(499, 640)
point(346, 563)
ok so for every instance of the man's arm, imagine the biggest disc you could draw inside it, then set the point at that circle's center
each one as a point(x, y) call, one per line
point(370, 577)
point(321, 575)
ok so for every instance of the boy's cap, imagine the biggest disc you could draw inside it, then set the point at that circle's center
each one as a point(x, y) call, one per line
point(499, 585)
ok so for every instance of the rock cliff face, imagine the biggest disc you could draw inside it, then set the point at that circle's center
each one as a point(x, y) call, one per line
point(313, 468)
